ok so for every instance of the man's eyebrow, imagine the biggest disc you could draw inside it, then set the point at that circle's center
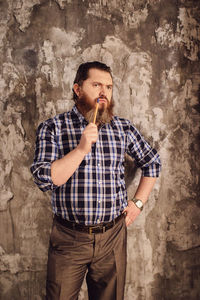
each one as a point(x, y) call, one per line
point(98, 82)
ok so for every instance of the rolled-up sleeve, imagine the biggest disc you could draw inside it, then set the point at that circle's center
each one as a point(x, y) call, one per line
point(144, 155)
point(46, 152)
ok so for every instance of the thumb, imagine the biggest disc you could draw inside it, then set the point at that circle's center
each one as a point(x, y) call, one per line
point(125, 210)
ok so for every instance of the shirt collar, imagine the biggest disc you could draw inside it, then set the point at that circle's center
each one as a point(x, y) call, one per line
point(79, 116)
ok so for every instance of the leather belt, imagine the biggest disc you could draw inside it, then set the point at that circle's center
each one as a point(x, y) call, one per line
point(91, 229)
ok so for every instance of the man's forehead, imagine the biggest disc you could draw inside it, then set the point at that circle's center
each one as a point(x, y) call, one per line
point(99, 75)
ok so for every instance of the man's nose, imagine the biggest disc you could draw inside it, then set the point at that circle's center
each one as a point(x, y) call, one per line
point(102, 91)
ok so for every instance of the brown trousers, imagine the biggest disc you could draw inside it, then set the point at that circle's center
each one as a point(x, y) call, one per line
point(73, 253)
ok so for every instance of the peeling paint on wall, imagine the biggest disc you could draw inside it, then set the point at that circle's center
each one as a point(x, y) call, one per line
point(153, 49)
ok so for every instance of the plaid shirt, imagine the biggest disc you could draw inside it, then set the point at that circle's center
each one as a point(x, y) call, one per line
point(96, 191)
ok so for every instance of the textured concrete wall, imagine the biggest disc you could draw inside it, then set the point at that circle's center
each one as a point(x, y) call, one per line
point(153, 49)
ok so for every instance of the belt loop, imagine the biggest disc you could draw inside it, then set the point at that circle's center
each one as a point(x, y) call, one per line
point(90, 230)
point(104, 229)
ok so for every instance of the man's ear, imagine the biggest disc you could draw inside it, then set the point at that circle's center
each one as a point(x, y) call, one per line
point(76, 89)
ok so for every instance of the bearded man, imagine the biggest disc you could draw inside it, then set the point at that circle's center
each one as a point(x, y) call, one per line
point(82, 163)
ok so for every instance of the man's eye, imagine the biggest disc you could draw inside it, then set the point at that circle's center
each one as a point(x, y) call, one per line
point(96, 84)
point(109, 87)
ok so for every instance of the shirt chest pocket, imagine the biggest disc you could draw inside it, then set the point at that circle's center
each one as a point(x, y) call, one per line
point(113, 151)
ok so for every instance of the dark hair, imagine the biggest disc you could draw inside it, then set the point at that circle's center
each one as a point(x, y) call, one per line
point(83, 73)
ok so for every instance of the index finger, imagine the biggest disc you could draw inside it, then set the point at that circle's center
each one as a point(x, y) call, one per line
point(90, 125)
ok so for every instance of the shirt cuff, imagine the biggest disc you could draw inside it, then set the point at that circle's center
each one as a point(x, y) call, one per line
point(42, 177)
point(152, 170)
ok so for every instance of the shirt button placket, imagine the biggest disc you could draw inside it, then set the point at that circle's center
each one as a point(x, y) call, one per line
point(99, 179)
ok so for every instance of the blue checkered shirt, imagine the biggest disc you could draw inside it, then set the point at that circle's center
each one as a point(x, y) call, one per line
point(96, 192)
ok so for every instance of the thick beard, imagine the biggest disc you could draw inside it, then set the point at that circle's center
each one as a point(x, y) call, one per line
point(104, 114)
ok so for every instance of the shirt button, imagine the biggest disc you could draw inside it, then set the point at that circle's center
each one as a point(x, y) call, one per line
point(98, 221)
point(98, 164)
point(99, 182)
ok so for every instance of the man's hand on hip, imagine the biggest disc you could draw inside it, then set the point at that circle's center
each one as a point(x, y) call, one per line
point(131, 211)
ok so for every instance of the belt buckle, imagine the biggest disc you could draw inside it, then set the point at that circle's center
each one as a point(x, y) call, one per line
point(97, 227)
point(90, 230)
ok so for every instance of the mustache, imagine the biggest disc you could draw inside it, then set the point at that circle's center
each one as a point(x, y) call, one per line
point(102, 97)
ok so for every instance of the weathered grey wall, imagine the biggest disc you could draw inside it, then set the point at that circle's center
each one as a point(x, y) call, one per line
point(153, 49)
